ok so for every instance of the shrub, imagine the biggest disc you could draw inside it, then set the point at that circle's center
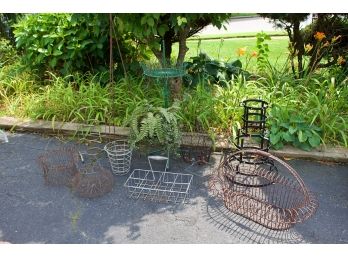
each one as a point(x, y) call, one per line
point(68, 43)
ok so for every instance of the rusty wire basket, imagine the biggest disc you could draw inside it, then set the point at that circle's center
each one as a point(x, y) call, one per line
point(59, 166)
point(276, 200)
point(92, 180)
point(196, 148)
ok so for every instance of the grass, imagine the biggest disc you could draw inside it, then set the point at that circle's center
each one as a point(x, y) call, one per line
point(225, 49)
point(235, 35)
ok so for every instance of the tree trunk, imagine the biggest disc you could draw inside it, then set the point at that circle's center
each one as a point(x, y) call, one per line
point(299, 48)
point(167, 43)
point(182, 46)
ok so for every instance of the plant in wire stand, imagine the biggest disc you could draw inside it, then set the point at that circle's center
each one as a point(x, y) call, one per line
point(153, 124)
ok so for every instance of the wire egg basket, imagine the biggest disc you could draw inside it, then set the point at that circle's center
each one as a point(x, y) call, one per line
point(119, 155)
point(277, 200)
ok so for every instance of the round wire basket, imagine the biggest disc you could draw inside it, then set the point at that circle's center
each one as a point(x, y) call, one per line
point(119, 155)
point(276, 200)
point(58, 166)
point(92, 180)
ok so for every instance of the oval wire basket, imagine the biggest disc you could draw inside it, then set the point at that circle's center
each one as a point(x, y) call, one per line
point(281, 203)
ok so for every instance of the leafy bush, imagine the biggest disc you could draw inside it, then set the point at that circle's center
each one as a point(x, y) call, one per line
point(204, 69)
point(68, 43)
point(63, 42)
point(287, 126)
point(8, 55)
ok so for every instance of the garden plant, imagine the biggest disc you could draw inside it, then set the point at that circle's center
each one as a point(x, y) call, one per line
point(56, 68)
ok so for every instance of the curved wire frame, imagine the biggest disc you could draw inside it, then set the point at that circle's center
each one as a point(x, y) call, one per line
point(282, 201)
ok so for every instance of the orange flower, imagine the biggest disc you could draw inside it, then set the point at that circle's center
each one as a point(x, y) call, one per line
point(254, 54)
point(308, 48)
point(341, 60)
point(241, 51)
point(319, 36)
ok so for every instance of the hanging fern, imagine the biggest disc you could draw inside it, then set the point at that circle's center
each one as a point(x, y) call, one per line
point(148, 122)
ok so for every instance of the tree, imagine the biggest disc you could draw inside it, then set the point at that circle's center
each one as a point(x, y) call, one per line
point(291, 23)
point(333, 46)
point(153, 29)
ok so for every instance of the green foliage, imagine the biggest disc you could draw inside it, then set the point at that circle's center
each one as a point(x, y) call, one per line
point(155, 28)
point(325, 104)
point(335, 29)
point(150, 123)
point(262, 50)
point(63, 42)
point(8, 54)
point(197, 110)
point(203, 69)
point(287, 126)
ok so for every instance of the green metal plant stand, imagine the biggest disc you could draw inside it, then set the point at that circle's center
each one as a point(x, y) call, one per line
point(164, 72)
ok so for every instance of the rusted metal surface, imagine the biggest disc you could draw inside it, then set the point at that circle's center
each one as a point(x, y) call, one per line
point(92, 180)
point(59, 166)
point(270, 193)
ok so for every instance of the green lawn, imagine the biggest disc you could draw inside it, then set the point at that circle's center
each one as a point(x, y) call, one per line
point(226, 49)
point(235, 35)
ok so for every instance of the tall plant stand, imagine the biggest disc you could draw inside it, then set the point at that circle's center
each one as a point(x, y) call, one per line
point(164, 72)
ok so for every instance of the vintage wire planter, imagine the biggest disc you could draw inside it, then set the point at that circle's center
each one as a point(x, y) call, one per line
point(159, 186)
point(196, 148)
point(119, 155)
point(276, 200)
point(92, 180)
point(59, 166)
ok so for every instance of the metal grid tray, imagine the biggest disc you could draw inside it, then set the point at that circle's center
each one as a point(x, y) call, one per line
point(159, 186)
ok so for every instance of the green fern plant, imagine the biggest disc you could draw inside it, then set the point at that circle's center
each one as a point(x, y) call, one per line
point(149, 123)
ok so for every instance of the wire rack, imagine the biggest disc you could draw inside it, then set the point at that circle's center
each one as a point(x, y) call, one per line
point(276, 200)
point(159, 186)
point(59, 166)
point(120, 156)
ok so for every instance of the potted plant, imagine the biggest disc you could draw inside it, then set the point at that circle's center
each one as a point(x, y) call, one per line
point(155, 125)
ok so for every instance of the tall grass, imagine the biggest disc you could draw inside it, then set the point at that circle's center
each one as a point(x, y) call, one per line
point(319, 99)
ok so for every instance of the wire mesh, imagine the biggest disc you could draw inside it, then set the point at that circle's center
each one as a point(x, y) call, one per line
point(92, 180)
point(119, 155)
point(159, 186)
point(276, 200)
point(58, 166)
point(196, 148)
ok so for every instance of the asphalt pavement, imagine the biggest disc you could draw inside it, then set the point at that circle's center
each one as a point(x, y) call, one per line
point(32, 212)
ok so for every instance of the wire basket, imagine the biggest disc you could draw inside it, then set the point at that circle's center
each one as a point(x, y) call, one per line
point(92, 180)
point(276, 200)
point(58, 166)
point(196, 148)
point(119, 155)
point(159, 186)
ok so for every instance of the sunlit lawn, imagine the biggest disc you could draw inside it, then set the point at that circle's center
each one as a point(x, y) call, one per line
point(226, 49)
